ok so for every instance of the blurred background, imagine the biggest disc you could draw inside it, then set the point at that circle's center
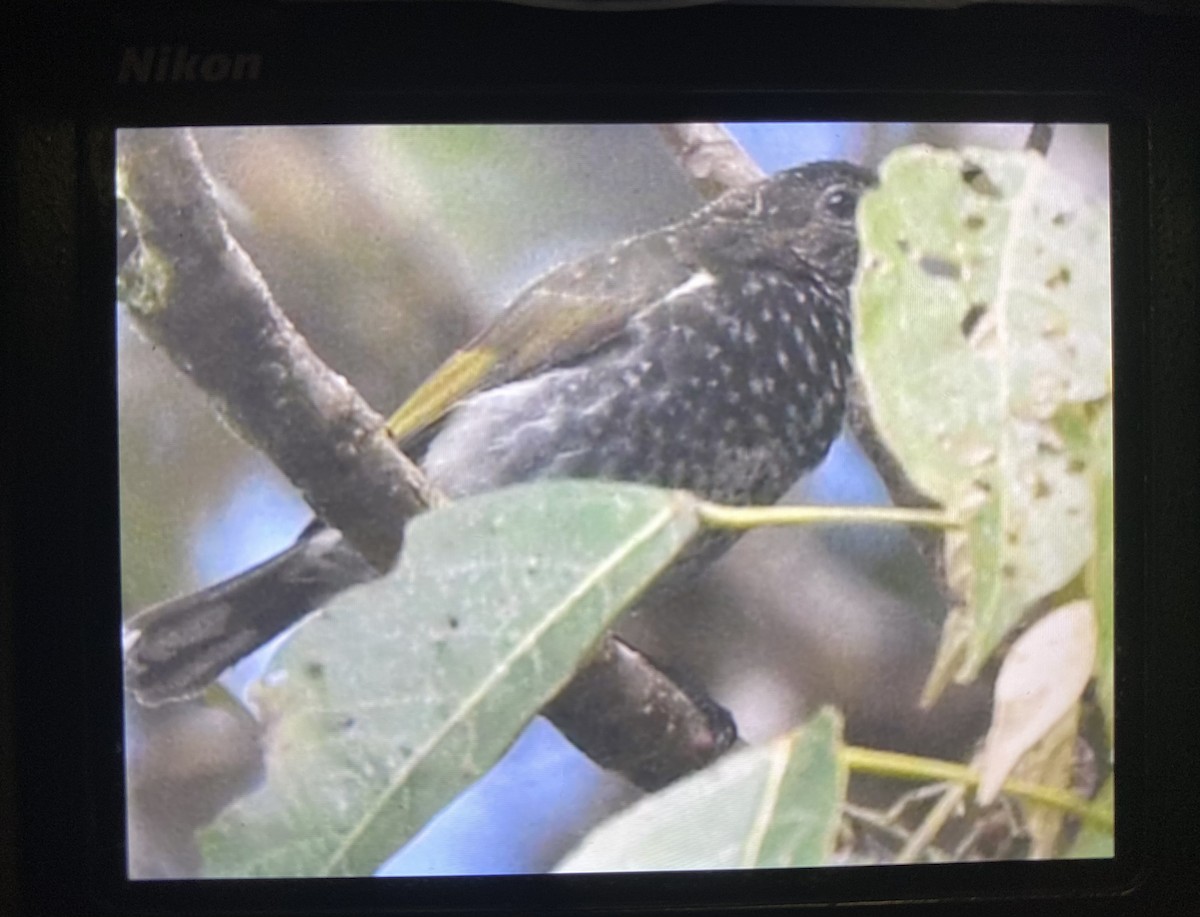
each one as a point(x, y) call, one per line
point(389, 247)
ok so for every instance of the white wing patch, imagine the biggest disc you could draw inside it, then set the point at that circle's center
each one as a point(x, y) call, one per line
point(700, 280)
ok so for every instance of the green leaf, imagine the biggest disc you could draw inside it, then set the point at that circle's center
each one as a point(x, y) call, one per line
point(1092, 842)
point(402, 692)
point(771, 806)
point(1100, 571)
point(983, 323)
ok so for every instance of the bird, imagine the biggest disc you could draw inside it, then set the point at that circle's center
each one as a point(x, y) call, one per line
point(711, 355)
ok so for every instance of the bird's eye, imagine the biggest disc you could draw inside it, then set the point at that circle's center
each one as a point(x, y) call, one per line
point(840, 203)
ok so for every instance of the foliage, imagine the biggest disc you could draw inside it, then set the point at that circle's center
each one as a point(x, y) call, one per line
point(983, 341)
point(983, 344)
point(772, 805)
point(405, 690)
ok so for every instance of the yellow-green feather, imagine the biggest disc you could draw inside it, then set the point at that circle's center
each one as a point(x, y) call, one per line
point(463, 373)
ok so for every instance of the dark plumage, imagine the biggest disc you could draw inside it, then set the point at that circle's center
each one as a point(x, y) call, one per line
point(711, 355)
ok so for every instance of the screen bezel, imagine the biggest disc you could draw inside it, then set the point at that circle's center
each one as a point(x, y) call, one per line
point(657, 891)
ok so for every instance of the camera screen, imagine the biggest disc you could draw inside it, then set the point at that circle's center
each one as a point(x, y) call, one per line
point(515, 499)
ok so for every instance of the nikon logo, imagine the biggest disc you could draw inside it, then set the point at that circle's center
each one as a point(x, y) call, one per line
point(176, 64)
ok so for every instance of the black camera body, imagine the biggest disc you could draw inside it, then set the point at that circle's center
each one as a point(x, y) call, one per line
point(76, 76)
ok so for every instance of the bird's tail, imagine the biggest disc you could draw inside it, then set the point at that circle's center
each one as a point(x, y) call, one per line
point(174, 650)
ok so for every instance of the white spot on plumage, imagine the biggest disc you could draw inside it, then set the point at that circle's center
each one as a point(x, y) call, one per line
point(818, 412)
point(810, 360)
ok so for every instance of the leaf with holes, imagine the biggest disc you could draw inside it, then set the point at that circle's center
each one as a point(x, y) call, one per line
point(982, 329)
point(404, 691)
point(772, 806)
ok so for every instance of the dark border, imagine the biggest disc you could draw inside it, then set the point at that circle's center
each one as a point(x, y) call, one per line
point(652, 892)
point(341, 63)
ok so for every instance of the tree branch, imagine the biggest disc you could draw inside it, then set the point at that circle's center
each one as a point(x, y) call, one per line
point(1040, 137)
point(193, 290)
point(712, 157)
point(628, 715)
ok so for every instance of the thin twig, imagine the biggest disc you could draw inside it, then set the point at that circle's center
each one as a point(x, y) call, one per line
point(931, 825)
point(914, 767)
point(717, 516)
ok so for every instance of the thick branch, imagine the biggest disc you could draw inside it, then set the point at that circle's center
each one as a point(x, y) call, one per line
point(193, 290)
point(712, 157)
point(629, 716)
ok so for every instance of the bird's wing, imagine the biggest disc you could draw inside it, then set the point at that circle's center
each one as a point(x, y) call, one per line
point(565, 315)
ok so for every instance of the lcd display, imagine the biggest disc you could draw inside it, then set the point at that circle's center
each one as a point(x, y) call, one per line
point(509, 499)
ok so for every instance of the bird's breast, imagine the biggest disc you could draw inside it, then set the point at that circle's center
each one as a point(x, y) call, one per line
point(732, 393)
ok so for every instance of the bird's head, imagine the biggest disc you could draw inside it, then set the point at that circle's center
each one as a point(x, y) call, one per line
point(807, 213)
point(811, 210)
